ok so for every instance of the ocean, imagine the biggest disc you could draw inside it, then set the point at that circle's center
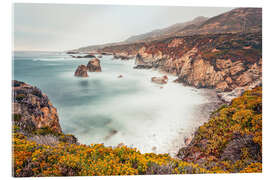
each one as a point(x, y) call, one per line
point(106, 109)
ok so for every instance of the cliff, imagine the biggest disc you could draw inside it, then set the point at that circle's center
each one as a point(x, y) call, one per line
point(32, 109)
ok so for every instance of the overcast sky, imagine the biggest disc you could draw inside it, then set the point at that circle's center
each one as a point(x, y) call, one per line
point(51, 27)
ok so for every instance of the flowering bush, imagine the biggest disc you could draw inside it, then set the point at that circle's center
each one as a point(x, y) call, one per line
point(64, 159)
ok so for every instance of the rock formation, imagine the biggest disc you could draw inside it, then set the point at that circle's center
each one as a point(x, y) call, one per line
point(94, 65)
point(160, 80)
point(86, 56)
point(32, 109)
point(81, 71)
point(201, 60)
point(122, 56)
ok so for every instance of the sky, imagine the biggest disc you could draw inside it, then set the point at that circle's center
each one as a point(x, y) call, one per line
point(61, 27)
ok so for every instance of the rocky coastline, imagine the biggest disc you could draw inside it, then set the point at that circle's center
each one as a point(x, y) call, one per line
point(224, 62)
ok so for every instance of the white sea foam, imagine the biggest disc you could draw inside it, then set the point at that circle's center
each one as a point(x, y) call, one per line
point(152, 119)
point(103, 108)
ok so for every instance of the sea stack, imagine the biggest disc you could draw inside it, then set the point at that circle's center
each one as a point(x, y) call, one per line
point(81, 71)
point(94, 65)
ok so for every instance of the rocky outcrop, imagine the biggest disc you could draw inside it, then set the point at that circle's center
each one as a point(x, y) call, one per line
point(85, 56)
point(81, 71)
point(32, 109)
point(160, 80)
point(122, 56)
point(206, 61)
point(94, 65)
point(227, 97)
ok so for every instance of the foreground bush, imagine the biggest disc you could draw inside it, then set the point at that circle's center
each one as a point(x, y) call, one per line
point(65, 159)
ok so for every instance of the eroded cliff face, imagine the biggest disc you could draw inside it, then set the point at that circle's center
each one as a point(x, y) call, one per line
point(32, 109)
point(222, 61)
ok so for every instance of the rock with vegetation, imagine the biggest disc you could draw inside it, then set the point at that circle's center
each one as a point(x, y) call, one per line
point(32, 109)
point(232, 139)
point(81, 71)
point(94, 65)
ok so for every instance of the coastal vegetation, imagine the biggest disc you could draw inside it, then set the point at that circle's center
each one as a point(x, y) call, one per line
point(241, 119)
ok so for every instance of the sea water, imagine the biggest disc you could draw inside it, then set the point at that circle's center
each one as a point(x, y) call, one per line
point(104, 108)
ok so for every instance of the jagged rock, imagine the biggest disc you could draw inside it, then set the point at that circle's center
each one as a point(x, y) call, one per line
point(94, 65)
point(205, 61)
point(229, 96)
point(244, 79)
point(238, 91)
point(81, 71)
point(236, 68)
point(160, 80)
point(223, 64)
point(32, 109)
point(222, 86)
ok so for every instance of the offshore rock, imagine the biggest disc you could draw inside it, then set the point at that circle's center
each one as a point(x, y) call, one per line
point(94, 65)
point(81, 71)
point(160, 80)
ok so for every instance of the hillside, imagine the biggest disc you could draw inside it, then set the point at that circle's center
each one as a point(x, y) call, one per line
point(167, 32)
point(238, 20)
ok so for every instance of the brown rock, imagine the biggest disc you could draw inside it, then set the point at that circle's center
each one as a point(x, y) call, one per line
point(160, 80)
point(94, 65)
point(32, 109)
point(236, 68)
point(244, 79)
point(222, 86)
point(228, 80)
point(223, 64)
point(81, 71)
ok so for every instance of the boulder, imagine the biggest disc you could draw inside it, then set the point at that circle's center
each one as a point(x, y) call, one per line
point(81, 71)
point(94, 65)
point(160, 80)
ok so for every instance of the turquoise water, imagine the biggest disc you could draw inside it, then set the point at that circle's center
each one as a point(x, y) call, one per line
point(106, 109)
